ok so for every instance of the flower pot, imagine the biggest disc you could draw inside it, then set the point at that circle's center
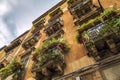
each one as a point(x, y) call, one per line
point(104, 18)
point(118, 14)
point(80, 40)
point(89, 26)
point(61, 45)
point(81, 30)
point(113, 14)
point(97, 22)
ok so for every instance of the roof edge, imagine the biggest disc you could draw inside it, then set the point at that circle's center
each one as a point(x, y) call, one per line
point(51, 9)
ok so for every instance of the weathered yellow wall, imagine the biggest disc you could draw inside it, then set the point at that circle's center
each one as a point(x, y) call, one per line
point(108, 3)
point(76, 58)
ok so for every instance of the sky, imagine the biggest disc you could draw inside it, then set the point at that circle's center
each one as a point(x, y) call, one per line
point(16, 16)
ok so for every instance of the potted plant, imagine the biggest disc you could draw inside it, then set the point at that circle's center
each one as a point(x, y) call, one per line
point(39, 24)
point(50, 58)
point(11, 68)
point(79, 38)
point(69, 2)
point(105, 15)
point(57, 11)
point(118, 14)
point(108, 13)
point(5, 72)
point(86, 26)
point(97, 21)
point(89, 24)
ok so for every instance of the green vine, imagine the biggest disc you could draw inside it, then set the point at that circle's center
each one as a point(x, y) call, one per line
point(9, 69)
point(50, 55)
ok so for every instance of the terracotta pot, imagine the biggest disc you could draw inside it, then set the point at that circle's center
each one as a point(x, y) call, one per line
point(113, 14)
point(81, 39)
point(81, 31)
point(104, 18)
point(97, 22)
point(89, 26)
point(61, 45)
point(118, 14)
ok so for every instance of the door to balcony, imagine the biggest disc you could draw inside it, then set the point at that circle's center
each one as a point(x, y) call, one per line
point(102, 48)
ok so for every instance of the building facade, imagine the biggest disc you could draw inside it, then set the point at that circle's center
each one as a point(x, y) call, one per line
point(68, 43)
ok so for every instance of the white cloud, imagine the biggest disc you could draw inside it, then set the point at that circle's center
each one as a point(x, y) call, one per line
point(3, 40)
point(4, 7)
point(14, 2)
point(16, 16)
point(4, 33)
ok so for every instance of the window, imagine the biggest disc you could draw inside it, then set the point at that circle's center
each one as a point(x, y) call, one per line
point(25, 56)
point(12, 45)
point(80, 8)
point(87, 9)
point(32, 41)
point(57, 11)
point(54, 26)
point(39, 24)
point(79, 13)
point(25, 60)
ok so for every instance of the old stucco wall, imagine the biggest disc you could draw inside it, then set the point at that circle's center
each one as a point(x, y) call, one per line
point(76, 58)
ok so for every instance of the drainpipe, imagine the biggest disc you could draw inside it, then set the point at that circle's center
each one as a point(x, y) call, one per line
point(102, 9)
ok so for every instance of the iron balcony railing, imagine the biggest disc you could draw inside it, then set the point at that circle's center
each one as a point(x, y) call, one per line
point(12, 45)
point(92, 14)
point(53, 27)
point(80, 5)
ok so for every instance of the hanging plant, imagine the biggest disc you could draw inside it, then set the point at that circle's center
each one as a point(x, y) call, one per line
point(57, 11)
point(10, 69)
point(116, 27)
point(108, 13)
point(68, 1)
point(47, 44)
point(79, 38)
point(50, 56)
point(41, 21)
point(111, 25)
point(46, 53)
point(97, 21)
point(86, 26)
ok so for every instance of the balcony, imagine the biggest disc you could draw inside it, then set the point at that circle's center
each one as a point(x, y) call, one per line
point(55, 14)
point(83, 11)
point(73, 3)
point(26, 52)
point(81, 5)
point(39, 25)
point(14, 69)
point(26, 55)
point(56, 35)
point(31, 41)
point(49, 60)
point(12, 45)
point(94, 25)
point(90, 15)
point(101, 36)
point(106, 46)
point(102, 47)
point(55, 47)
point(53, 27)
